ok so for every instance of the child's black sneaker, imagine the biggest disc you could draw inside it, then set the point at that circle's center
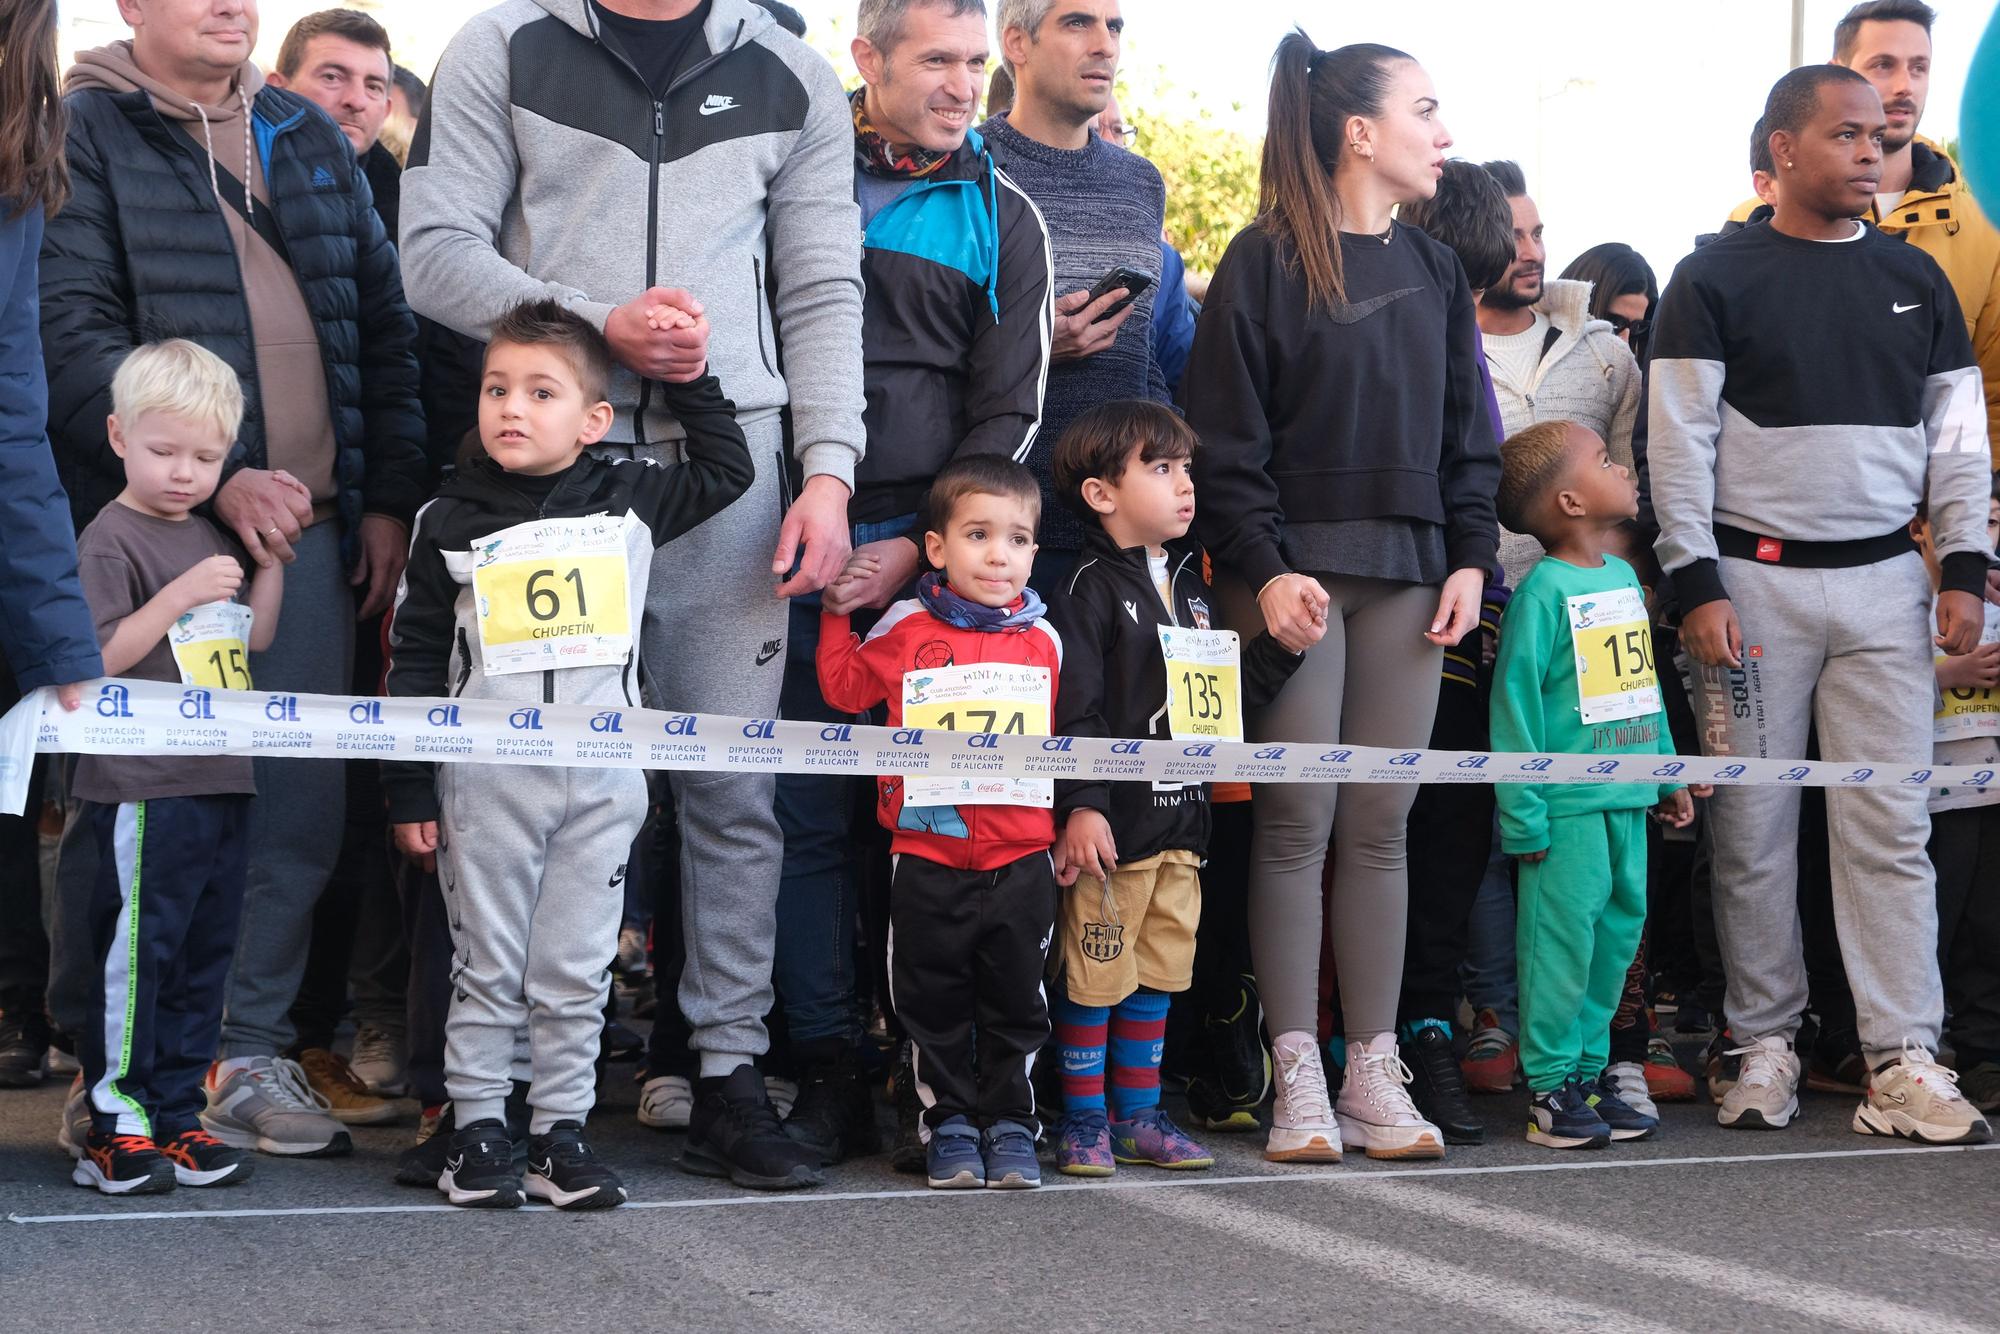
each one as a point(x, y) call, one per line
point(835, 1112)
point(565, 1171)
point(1625, 1120)
point(123, 1165)
point(1564, 1119)
point(1437, 1086)
point(735, 1133)
point(479, 1168)
point(200, 1159)
point(908, 1153)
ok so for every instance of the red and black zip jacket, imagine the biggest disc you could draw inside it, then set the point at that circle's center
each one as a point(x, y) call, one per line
point(855, 675)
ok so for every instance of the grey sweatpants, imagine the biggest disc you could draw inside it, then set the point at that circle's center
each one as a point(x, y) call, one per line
point(532, 866)
point(300, 812)
point(714, 642)
point(1372, 681)
point(1850, 651)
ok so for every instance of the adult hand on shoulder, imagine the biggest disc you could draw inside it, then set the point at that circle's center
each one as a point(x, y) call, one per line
point(267, 511)
point(1294, 608)
point(817, 520)
point(654, 348)
point(1458, 607)
point(1077, 334)
point(875, 573)
point(385, 549)
point(1960, 621)
point(1712, 636)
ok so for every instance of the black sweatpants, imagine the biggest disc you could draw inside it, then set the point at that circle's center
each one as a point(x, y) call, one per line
point(1965, 849)
point(162, 921)
point(1450, 840)
point(966, 953)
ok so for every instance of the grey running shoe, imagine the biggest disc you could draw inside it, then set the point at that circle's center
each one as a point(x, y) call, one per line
point(268, 1106)
point(1765, 1095)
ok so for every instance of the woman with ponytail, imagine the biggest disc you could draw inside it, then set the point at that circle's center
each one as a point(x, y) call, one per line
point(50, 639)
point(1346, 475)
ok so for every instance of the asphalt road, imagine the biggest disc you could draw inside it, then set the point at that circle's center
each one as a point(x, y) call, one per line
point(1813, 1228)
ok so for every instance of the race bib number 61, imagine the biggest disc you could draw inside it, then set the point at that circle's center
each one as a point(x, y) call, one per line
point(551, 594)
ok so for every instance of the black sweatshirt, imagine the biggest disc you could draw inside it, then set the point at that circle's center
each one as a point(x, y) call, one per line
point(1315, 417)
point(1114, 683)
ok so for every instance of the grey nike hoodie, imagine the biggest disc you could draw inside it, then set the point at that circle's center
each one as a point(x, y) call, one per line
point(545, 168)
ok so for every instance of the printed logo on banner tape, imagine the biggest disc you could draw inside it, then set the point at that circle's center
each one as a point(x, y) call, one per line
point(123, 717)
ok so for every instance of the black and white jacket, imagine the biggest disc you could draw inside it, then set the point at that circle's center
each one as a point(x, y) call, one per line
point(1114, 683)
point(434, 641)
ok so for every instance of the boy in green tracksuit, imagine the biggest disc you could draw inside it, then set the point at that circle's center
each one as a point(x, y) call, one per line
point(1575, 675)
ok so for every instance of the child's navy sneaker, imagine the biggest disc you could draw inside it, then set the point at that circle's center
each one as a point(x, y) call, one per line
point(952, 1159)
point(1625, 1120)
point(1564, 1119)
point(1010, 1157)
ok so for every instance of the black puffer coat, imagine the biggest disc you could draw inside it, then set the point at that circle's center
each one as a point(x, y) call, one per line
point(142, 252)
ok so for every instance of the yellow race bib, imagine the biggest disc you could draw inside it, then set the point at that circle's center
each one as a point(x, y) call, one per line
point(553, 593)
point(1007, 698)
point(1204, 683)
point(1965, 711)
point(1613, 639)
point(211, 646)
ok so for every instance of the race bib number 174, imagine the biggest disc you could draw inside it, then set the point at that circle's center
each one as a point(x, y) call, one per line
point(998, 697)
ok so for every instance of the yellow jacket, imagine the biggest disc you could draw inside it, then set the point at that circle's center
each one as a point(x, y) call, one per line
point(1939, 217)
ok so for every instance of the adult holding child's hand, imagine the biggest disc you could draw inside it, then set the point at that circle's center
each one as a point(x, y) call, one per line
point(268, 510)
point(1346, 474)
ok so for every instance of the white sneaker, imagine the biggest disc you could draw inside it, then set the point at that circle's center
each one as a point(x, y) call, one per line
point(1918, 1098)
point(1303, 1129)
point(1630, 1079)
point(1375, 1110)
point(782, 1093)
point(666, 1102)
point(379, 1063)
point(1765, 1095)
point(268, 1106)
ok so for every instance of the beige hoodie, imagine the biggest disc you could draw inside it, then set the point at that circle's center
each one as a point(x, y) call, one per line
point(298, 423)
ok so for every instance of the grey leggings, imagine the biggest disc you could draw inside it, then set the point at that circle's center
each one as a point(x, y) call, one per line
point(1372, 681)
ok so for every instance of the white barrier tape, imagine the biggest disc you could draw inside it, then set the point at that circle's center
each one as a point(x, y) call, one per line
point(157, 718)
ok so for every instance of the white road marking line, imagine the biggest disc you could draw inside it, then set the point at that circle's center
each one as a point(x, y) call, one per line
point(1722, 1276)
point(1334, 1176)
point(1497, 1299)
point(1983, 1247)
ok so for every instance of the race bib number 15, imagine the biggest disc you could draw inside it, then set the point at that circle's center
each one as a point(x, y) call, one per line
point(211, 646)
point(552, 594)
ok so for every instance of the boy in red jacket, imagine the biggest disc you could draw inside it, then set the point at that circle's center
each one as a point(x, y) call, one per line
point(973, 900)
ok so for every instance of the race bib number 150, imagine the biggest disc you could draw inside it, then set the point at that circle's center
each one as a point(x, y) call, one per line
point(1615, 676)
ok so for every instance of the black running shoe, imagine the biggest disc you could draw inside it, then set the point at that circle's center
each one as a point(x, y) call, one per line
point(123, 1165)
point(200, 1159)
point(1437, 1085)
point(479, 1168)
point(735, 1133)
point(24, 1043)
point(423, 1162)
point(908, 1156)
point(564, 1170)
point(1239, 1061)
point(835, 1114)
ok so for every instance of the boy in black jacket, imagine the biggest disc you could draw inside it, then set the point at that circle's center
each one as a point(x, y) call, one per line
point(526, 583)
point(1144, 663)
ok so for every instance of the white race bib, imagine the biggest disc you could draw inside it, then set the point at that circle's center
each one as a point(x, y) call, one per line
point(1613, 639)
point(553, 593)
point(986, 697)
point(1204, 683)
point(211, 645)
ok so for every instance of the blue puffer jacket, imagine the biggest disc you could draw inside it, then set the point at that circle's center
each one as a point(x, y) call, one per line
point(50, 638)
point(143, 252)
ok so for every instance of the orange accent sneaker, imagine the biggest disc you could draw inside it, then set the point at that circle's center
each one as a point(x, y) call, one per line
point(1492, 1058)
point(200, 1159)
point(122, 1165)
point(348, 1100)
point(1665, 1079)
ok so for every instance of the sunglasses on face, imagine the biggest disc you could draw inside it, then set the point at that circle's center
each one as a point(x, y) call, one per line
point(1629, 328)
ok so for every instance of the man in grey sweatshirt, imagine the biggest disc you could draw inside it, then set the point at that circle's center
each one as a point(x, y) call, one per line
point(597, 151)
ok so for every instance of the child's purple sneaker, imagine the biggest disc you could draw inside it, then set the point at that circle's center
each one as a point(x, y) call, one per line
point(1083, 1145)
point(1152, 1139)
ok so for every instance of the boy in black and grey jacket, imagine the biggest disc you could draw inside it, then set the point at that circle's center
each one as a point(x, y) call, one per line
point(1144, 664)
point(527, 581)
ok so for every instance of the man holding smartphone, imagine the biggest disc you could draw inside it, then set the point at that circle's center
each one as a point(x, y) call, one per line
point(1104, 207)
